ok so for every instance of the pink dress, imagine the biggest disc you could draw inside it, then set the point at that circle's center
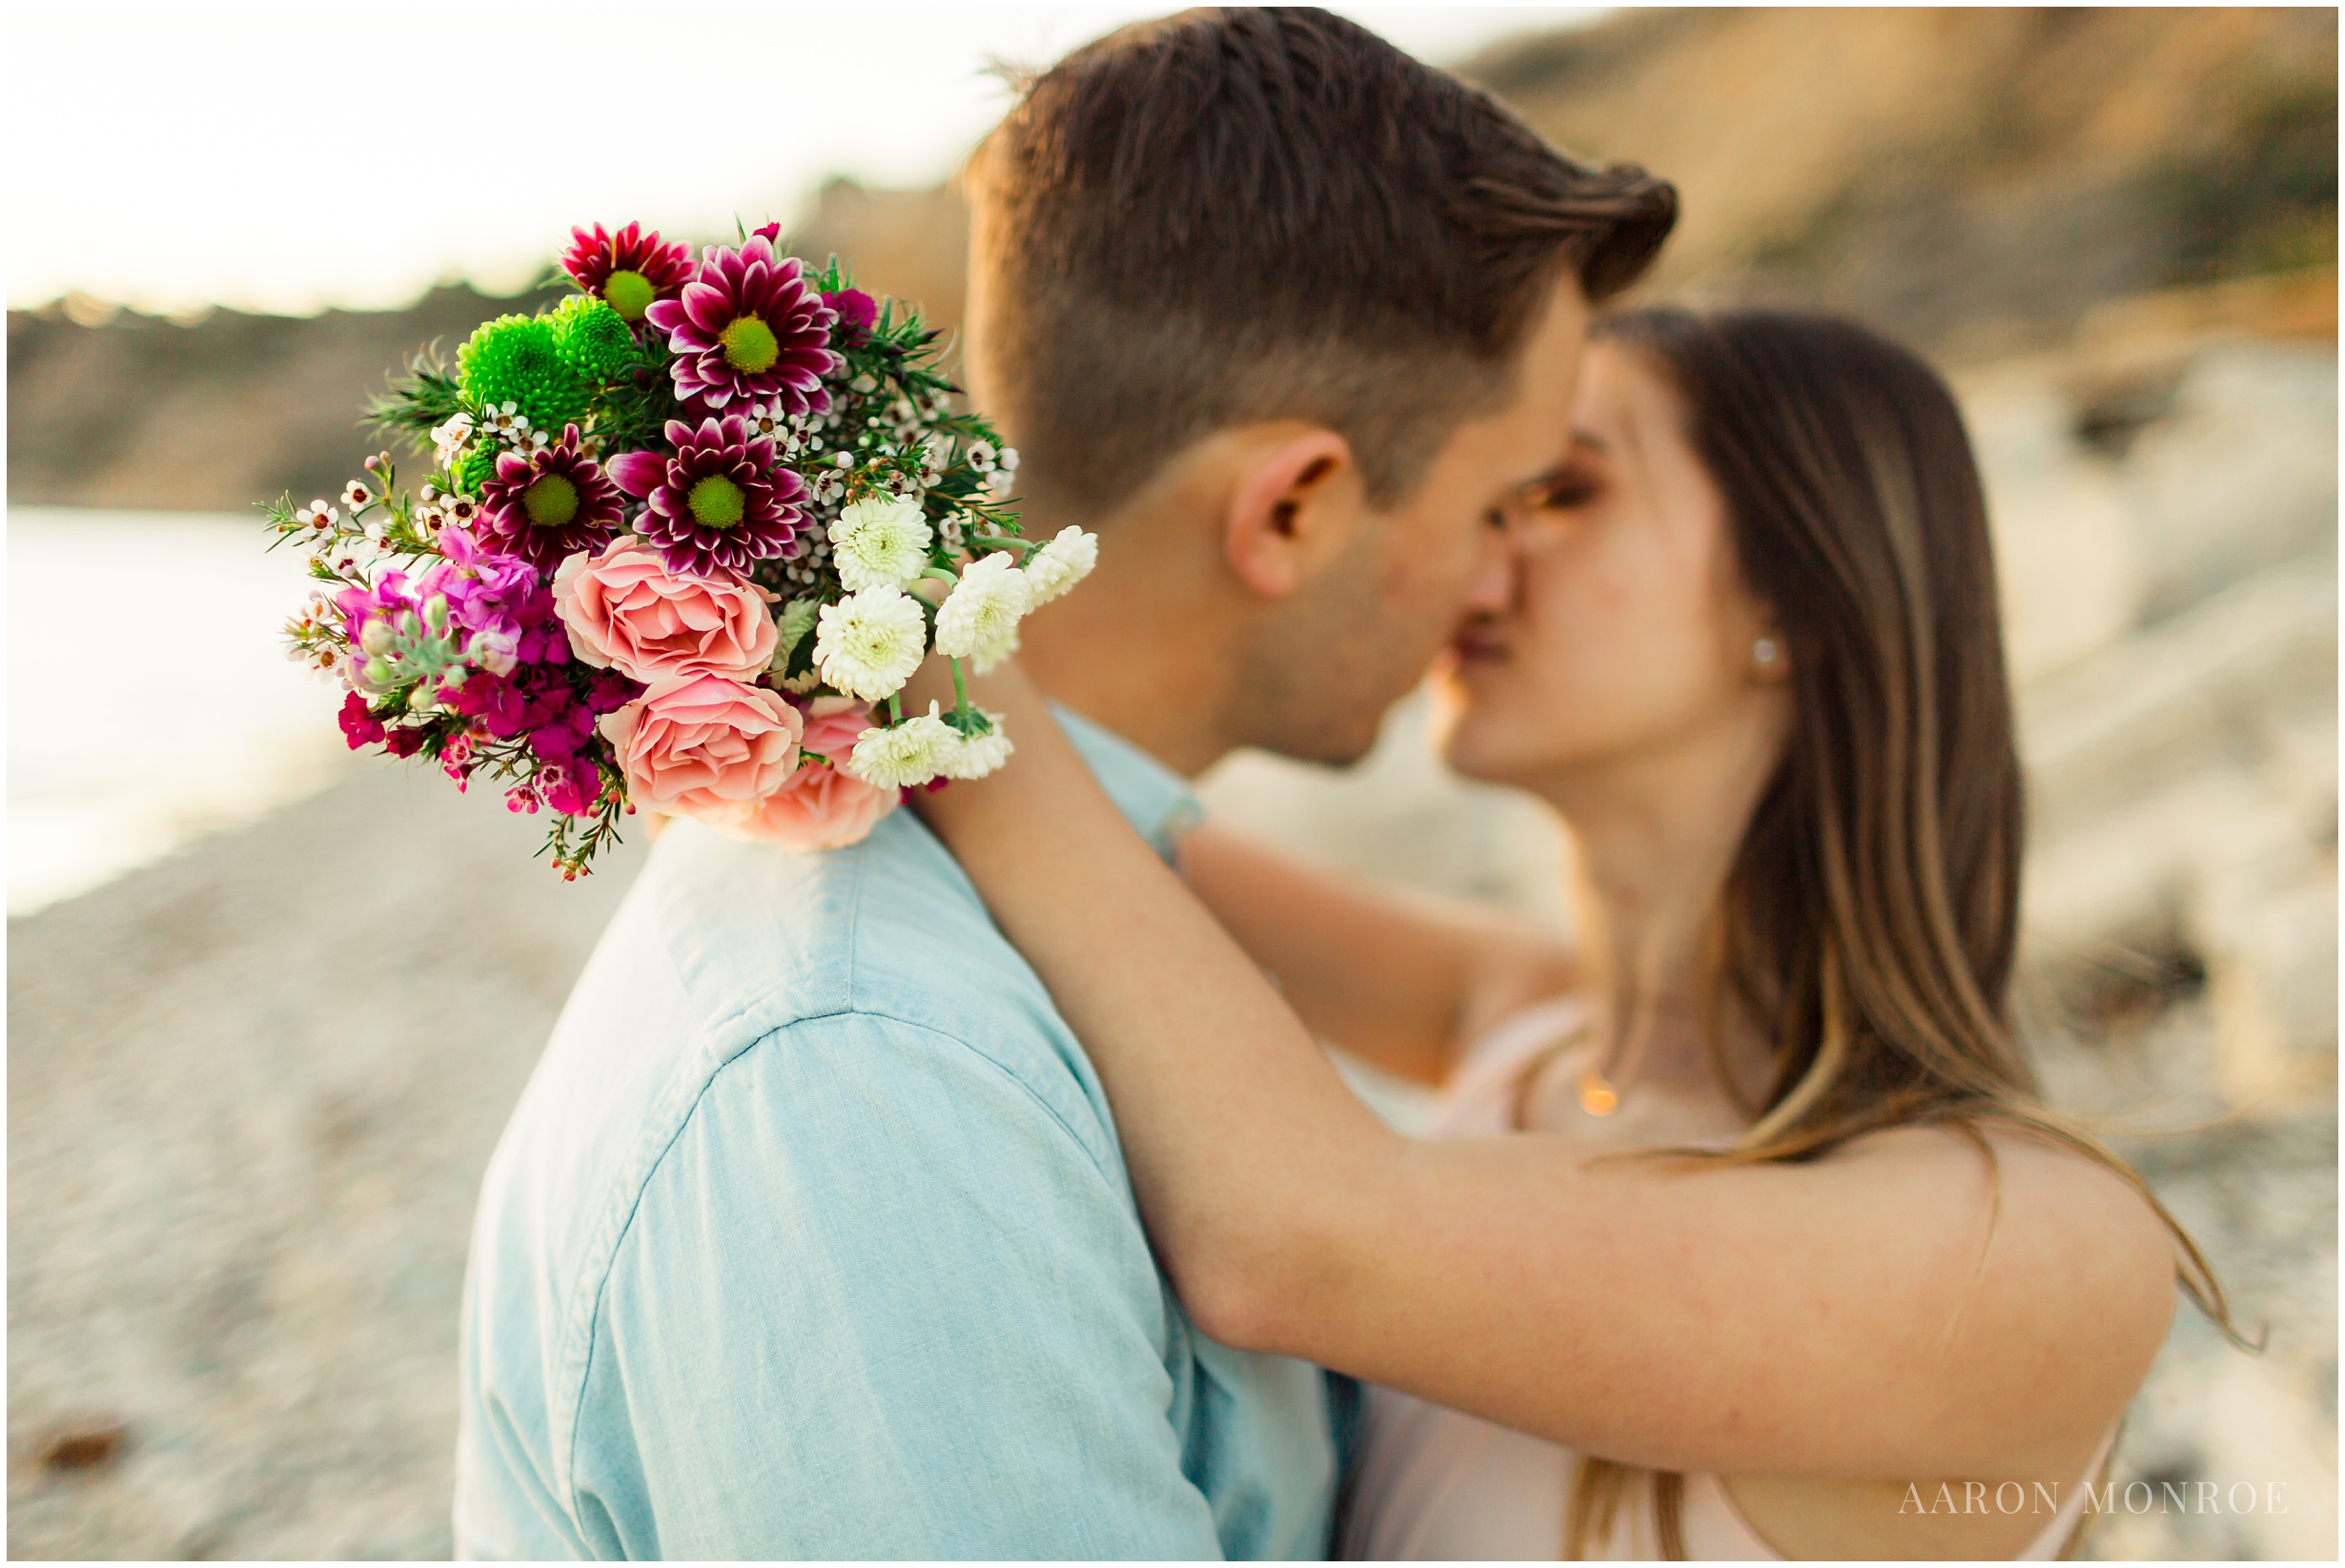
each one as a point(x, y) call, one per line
point(1434, 1484)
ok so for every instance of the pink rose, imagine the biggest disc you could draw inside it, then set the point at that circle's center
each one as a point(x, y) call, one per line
point(704, 746)
point(820, 807)
point(833, 726)
point(625, 610)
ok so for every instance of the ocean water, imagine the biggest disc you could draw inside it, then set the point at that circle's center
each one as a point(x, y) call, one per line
point(149, 697)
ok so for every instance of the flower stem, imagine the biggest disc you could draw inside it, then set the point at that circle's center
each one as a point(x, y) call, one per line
point(960, 694)
point(1024, 546)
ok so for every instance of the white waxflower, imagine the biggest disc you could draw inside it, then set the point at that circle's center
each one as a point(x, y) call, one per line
point(880, 539)
point(318, 515)
point(352, 552)
point(462, 510)
point(1061, 564)
point(980, 618)
point(868, 644)
point(449, 438)
point(356, 494)
point(904, 756)
point(974, 756)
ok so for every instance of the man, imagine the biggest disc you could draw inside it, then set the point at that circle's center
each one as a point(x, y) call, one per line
point(810, 1236)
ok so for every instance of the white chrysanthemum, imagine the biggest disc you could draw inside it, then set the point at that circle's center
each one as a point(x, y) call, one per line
point(1060, 564)
point(868, 644)
point(880, 539)
point(979, 621)
point(974, 756)
point(904, 756)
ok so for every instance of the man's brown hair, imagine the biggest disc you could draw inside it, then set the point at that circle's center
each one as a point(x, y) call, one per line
point(1230, 215)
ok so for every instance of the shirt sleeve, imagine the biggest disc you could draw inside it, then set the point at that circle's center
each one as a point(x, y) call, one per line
point(877, 1300)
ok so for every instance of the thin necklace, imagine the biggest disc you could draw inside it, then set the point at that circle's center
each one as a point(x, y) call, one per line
point(1600, 1092)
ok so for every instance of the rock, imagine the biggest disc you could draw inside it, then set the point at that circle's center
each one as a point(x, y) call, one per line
point(2067, 553)
point(2183, 786)
point(2208, 519)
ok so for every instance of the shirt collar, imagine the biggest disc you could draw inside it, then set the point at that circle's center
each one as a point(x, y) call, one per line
point(1157, 800)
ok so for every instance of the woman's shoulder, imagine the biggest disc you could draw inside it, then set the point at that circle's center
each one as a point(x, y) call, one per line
point(2067, 1251)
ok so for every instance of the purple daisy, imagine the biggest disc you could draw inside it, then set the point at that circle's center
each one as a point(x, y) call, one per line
point(718, 505)
point(627, 270)
point(748, 329)
point(548, 504)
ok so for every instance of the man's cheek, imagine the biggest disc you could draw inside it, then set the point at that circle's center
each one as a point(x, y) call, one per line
point(1432, 566)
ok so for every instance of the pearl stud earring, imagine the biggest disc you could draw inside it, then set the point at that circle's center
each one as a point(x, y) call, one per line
point(1764, 650)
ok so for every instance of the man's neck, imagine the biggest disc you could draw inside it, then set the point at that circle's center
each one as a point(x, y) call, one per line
point(1138, 648)
point(1115, 672)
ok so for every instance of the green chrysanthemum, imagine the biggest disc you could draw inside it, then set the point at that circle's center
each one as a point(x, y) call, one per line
point(479, 464)
point(593, 340)
point(514, 359)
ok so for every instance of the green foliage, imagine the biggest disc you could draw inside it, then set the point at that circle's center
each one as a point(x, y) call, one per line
point(428, 396)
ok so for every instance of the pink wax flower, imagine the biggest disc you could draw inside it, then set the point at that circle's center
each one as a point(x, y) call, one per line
point(574, 788)
point(625, 610)
point(704, 746)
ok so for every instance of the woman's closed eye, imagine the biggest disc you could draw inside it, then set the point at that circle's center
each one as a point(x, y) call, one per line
point(1563, 491)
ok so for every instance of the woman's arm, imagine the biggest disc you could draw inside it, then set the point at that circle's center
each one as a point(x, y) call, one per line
point(1841, 1318)
point(1402, 984)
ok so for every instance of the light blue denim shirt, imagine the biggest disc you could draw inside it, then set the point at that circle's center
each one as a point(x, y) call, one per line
point(810, 1237)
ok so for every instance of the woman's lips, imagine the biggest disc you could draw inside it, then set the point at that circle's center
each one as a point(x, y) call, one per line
point(1471, 649)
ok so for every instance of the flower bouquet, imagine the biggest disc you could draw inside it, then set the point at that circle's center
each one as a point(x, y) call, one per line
point(686, 536)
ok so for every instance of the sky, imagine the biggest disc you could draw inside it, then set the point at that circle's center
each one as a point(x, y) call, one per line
point(287, 159)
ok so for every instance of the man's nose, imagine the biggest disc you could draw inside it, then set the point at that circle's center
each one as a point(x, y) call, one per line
point(1491, 588)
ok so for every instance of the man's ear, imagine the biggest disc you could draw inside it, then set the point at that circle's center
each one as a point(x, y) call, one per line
point(1292, 510)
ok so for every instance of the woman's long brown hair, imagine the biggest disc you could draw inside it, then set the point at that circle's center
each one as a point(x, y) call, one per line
point(1871, 918)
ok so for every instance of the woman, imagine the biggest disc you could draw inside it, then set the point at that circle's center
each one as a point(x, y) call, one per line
point(1842, 1289)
